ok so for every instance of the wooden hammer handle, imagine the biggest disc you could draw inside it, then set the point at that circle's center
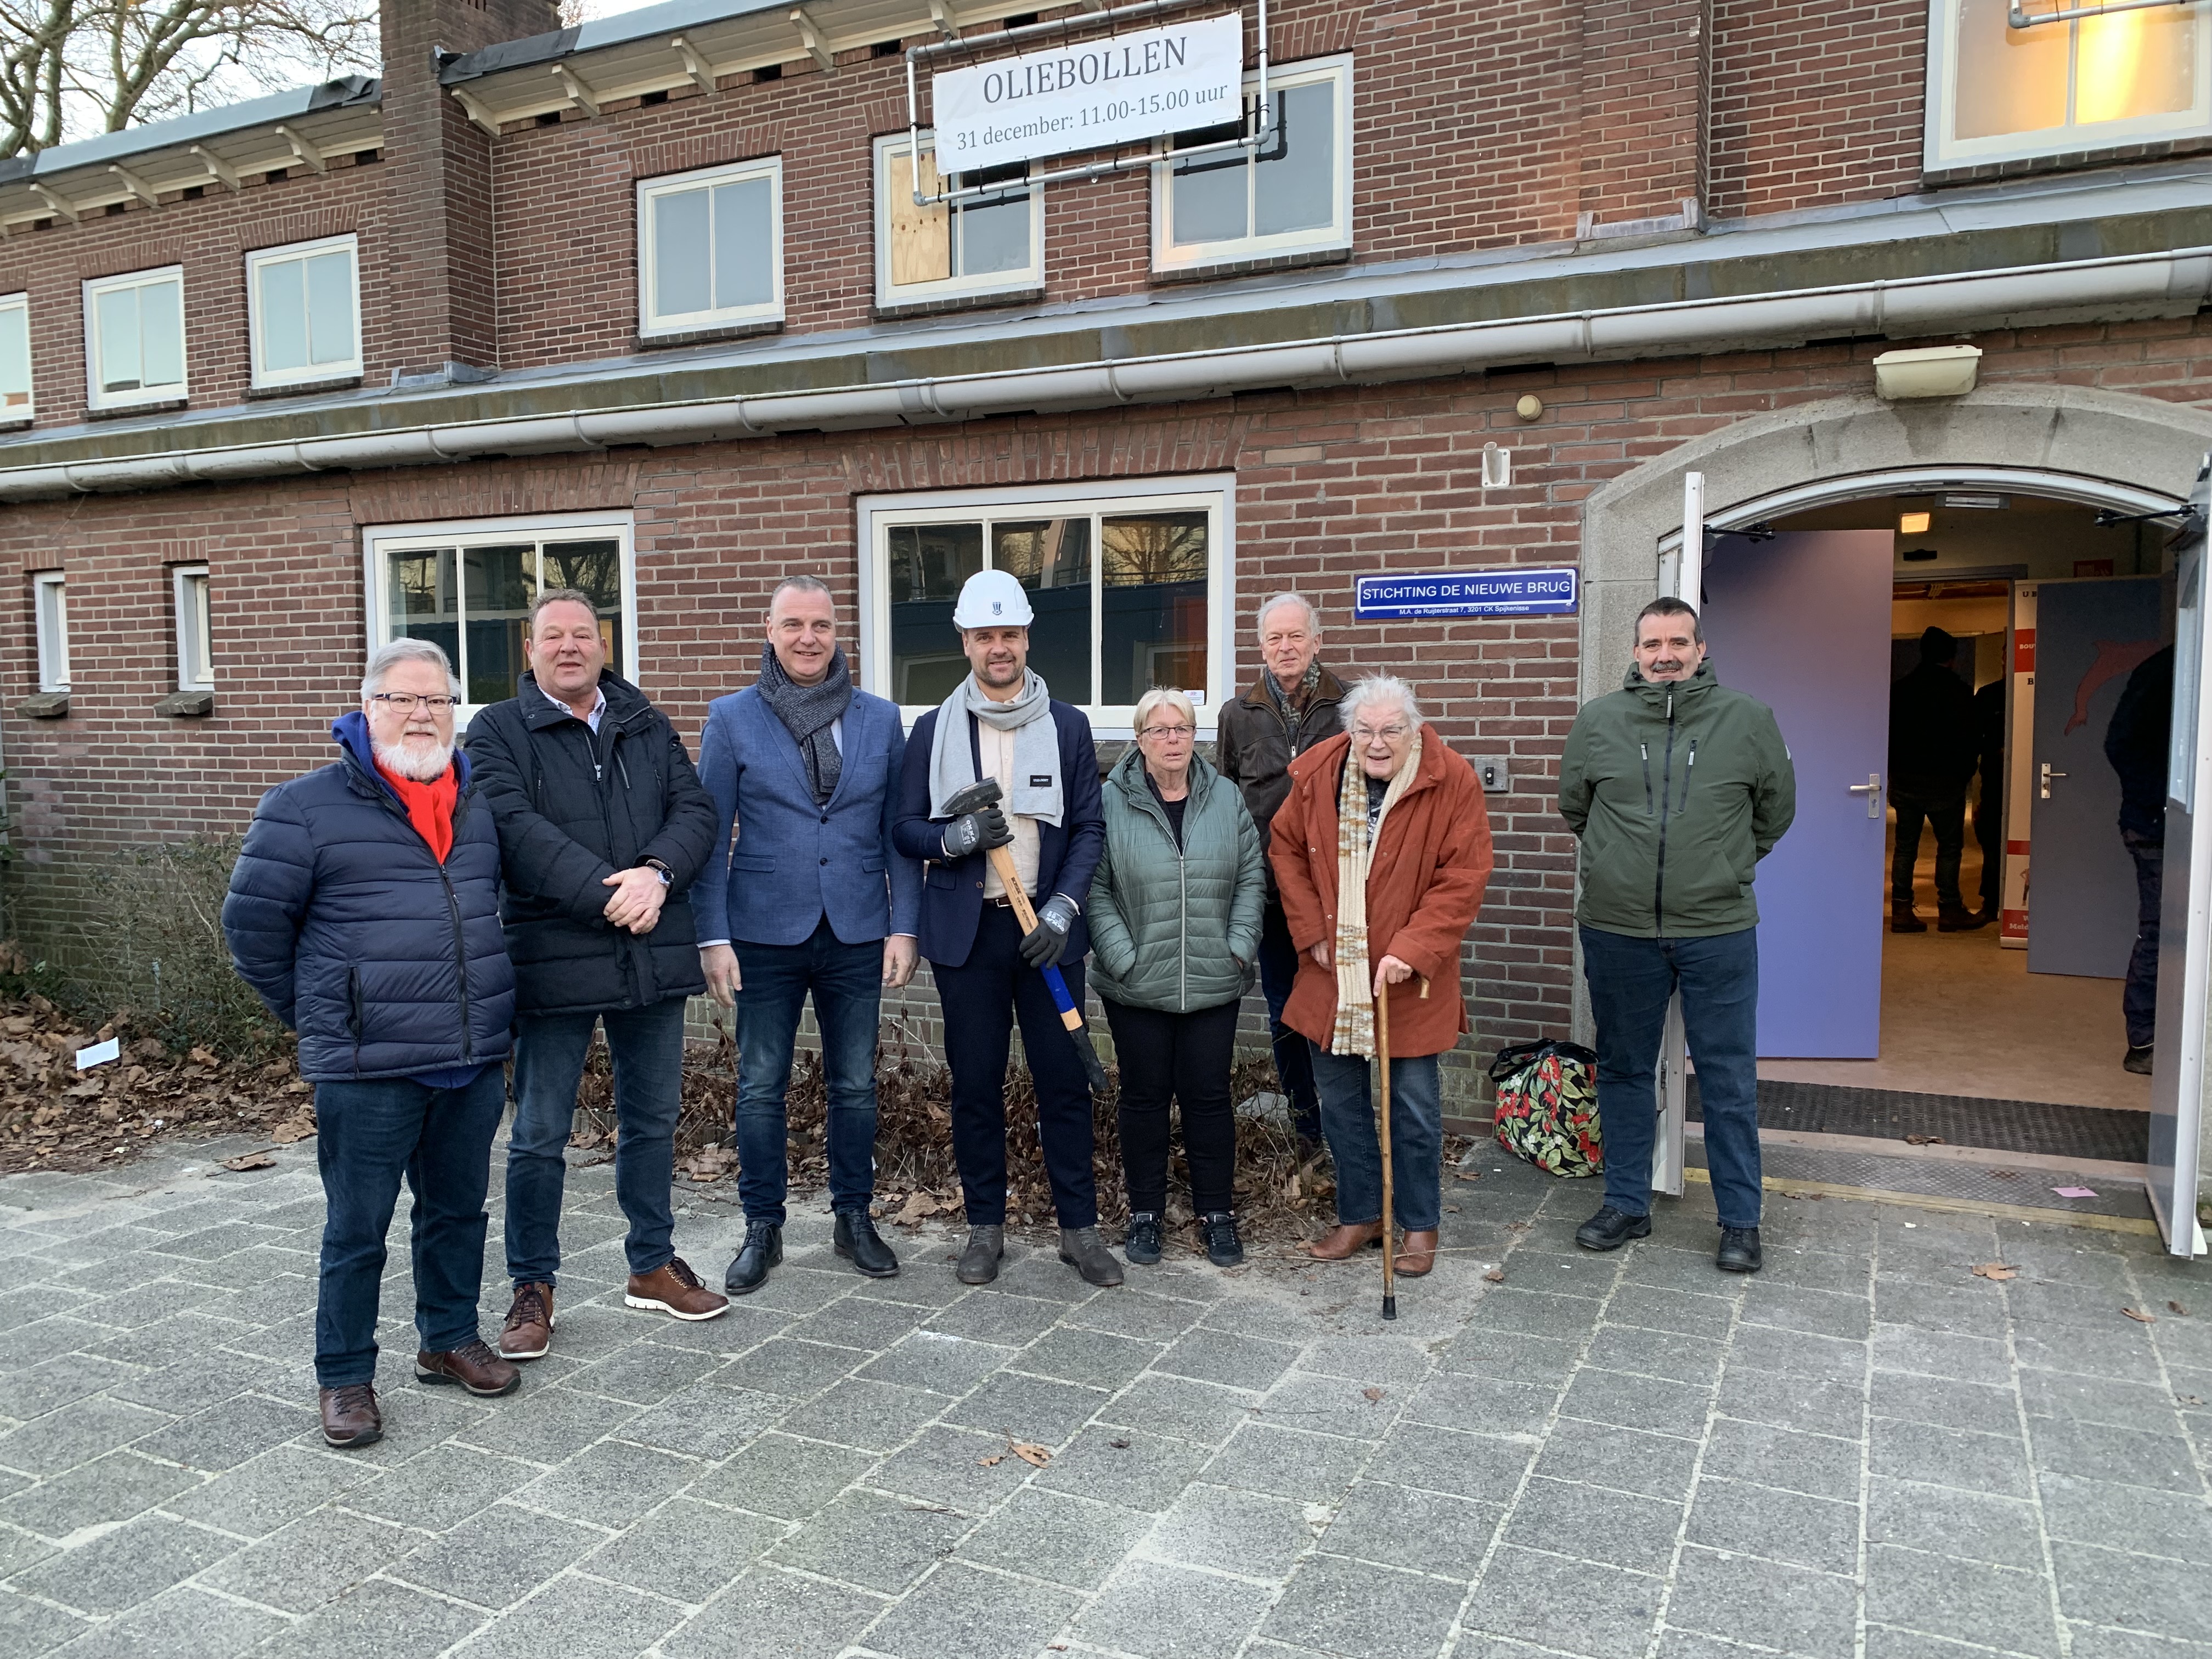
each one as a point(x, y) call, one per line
point(1002, 861)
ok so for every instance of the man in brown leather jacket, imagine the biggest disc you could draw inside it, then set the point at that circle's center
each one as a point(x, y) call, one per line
point(1292, 706)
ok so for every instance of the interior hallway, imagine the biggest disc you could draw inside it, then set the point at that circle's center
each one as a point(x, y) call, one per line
point(1961, 1015)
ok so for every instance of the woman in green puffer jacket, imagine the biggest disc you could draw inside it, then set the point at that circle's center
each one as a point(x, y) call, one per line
point(1175, 931)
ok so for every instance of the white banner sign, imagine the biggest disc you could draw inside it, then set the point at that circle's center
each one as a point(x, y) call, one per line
point(1103, 93)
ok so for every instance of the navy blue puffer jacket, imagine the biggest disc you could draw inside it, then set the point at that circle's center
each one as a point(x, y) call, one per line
point(385, 963)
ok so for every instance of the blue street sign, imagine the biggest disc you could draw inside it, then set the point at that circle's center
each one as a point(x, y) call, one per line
point(1512, 591)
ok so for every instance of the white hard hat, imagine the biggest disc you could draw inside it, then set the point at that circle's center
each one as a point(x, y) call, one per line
point(992, 598)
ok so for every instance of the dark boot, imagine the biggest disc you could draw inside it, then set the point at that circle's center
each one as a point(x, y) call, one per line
point(979, 1261)
point(1739, 1252)
point(859, 1243)
point(1223, 1248)
point(1142, 1246)
point(763, 1248)
point(1084, 1250)
point(1610, 1229)
point(1901, 919)
point(1958, 919)
point(2138, 1059)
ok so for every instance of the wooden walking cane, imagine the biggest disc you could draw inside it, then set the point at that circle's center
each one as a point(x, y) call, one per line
point(1389, 1240)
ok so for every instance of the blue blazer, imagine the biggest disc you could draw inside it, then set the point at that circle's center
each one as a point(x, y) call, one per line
point(795, 862)
point(1067, 853)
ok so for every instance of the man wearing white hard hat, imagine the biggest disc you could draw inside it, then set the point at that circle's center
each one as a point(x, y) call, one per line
point(1001, 722)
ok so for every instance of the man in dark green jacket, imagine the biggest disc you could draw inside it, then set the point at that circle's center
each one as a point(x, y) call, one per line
point(1676, 787)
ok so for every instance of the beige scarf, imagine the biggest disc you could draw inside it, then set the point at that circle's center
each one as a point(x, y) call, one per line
point(1354, 1032)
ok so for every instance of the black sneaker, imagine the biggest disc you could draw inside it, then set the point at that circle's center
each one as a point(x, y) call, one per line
point(2138, 1059)
point(1610, 1229)
point(1142, 1246)
point(1739, 1252)
point(1223, 1248)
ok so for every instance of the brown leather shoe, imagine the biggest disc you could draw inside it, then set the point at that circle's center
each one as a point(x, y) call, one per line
point(529, 1329)
point(351, 1417)
point(473, 1365)
point(1344, 1242)
point(672, 1288)
point(1417, 1252)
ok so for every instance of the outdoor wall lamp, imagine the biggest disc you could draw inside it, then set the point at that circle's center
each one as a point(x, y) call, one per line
point(1928, 372)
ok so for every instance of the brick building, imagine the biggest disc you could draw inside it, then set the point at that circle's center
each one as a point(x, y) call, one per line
point(648, 306)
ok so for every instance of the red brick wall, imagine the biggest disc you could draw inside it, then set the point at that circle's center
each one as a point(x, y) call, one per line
point(1330, 483)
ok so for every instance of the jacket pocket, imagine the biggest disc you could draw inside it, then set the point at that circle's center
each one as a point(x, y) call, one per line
point(872, 867)
point(751, 866)
point(941, 875)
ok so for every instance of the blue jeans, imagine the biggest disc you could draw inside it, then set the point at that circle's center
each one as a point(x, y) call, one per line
point(848, 983)
point(1631, 981)
point(2139, 1000)
point(1278, 971)
point(647, 1046)
point(370, 1136)
point(1417, 1137)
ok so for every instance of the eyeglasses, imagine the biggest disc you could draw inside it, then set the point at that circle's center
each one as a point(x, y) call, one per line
point(1165, 731)
point(405, 704)
point(1386, 734)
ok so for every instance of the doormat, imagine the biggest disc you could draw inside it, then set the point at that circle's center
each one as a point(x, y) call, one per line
point(2004, 1125)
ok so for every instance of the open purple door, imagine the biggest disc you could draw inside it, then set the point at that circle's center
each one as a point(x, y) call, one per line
point(1801, 623)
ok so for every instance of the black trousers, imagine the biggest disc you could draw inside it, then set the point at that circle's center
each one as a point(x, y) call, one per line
point(1947, 815)
point(981, 999)
point(1988, 829)
point(2139, 1000)
point(1184, 1058)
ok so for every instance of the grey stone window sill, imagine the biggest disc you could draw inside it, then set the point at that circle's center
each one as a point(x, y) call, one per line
point(300, 388)
point(128, 412)
point(43, 706)
point(184, 703)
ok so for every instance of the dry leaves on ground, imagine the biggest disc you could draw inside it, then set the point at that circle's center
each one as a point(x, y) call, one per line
point(1995, 1270)
point(1496, 1275)
point(1924, 1140)
point(1372, 1394)
point(246, 1160)
point(2176, 1307)
point(2139, 1316)
point(1036, 1456)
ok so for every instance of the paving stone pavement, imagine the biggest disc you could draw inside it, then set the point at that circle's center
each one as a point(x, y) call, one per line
point(1863, 1451)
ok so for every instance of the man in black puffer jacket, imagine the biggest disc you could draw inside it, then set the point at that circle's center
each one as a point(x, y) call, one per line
point(603, 825)
point(364, 910)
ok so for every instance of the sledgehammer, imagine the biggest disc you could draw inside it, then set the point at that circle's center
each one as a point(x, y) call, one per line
point(974, 799)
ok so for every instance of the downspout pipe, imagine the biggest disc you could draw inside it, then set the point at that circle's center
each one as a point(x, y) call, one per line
point(2174, 284)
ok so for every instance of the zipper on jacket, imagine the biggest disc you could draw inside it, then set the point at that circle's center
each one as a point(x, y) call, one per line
point(1666, 791)
point(355, 1019)
point(453, 910)
point(1645, 749)
point(1687, 774)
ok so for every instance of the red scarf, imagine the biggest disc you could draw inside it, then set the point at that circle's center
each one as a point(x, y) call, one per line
point(429, 806)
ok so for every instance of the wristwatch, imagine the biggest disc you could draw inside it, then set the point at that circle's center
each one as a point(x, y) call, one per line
point(667, 875)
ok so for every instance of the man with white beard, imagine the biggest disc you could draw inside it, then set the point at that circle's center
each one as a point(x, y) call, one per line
point(364, 910)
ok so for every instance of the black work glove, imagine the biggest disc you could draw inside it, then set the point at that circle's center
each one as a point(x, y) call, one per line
point(1042, 944)
point(975, 832)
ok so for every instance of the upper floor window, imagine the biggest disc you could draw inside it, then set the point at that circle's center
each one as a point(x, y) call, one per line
point(303, 306)
point(1997, 93)
point(134, 337)
point(986, 245)
point(1130, 590)
point(15, 358)
point(195, 651)
point(469, 588)
point(1292, 193)
point(710, 248)
point(50, 601)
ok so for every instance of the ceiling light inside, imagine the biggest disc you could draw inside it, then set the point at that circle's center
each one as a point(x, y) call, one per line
point(1913, 524)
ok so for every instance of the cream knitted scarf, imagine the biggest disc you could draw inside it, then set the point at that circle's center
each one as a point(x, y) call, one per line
point(1354, 1031)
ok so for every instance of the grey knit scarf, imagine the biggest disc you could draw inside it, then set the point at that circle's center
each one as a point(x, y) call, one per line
point(1290, 714)
point(807, 713)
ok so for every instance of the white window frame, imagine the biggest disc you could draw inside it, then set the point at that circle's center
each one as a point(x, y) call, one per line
point(50, 604)
point(379, 541)
point(1167, 257)
point(96, 286)
point(650, 326)
point(193, 601)
point(1213, 493)
point(1025, 280)
point(350, 370)
point(1940, 151)
point(16, 313)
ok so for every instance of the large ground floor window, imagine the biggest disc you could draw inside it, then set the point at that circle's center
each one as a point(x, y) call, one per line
point(1130, 586)
point(469, 588)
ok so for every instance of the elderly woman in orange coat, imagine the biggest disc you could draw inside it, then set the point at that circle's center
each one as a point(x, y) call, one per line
point(1381, 851)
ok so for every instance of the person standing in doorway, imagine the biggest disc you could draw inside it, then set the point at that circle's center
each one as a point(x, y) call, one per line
point(1002, 722)
point(1989, 804)
point(1676, 787)
point(364, 911)
point(2135, 744)
point(604, 826)
point(813, 899)
point(1289, 708)
point(1934, 747)
point(1175, 922)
